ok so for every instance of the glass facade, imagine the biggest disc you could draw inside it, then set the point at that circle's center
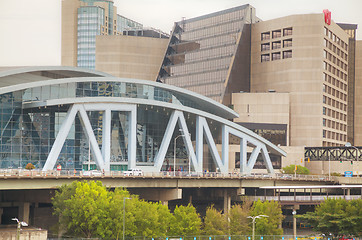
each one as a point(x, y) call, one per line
point(28, 133)
point(94, 20)
point(200, 53)
point(90, 22)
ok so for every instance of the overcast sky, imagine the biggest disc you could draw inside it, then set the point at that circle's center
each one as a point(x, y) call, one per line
point(30, 29)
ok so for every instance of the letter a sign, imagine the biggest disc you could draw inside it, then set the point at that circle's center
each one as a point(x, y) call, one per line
point(327, 16)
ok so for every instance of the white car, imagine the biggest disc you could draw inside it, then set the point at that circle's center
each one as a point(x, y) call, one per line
point(133, 172)
point(92, 173)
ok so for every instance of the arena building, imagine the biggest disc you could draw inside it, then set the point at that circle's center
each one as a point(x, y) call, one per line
point(84, 119)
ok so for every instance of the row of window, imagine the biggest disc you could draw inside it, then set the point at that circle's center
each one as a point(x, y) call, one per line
point(335, 60)
point(334, 114)
point(335, 125)
point(335, 82)
point(336, 49)
point(276, 45)
point(276, 33)
point(334, 103)
point(334, 135)
point(334, 92)
point(276, 56)
point(339, 74)
point(214, 20)
point(335, 39)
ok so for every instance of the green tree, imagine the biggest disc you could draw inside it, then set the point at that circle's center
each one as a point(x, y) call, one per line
point(84, 210)
point(337, 216)
point(186, 222)
point(215, 223)
point(239, 223)
point(291, 170)
point(267, 225)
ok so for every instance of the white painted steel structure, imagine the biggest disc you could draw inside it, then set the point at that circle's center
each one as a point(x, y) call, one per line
point(146, 95)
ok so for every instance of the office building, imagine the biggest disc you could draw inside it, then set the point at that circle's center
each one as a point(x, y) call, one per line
point(210, 54)
point(82, 21)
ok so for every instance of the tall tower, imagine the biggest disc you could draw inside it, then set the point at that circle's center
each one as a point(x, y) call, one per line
point(82, 21)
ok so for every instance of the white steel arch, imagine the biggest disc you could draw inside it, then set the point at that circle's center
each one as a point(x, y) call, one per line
point(176, 121)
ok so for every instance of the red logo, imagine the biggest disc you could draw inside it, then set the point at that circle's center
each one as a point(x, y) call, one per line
point(327, 16)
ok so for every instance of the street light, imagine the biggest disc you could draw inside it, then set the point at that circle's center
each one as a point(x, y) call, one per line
point(124, 213)
point(174, 153)
point(254, 218)
point(89, 151)
point(24, 224)
point(348, 144)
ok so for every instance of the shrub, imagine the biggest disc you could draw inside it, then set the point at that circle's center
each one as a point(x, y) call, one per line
point(29, 166)
point(300, 169)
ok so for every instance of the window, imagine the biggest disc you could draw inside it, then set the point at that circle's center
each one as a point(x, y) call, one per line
point(287, 43)
point(324, 122)
point(265, 46)
point(287, 54)
point(287, 31)
point(276, 45)
point(324, 111)
point(275, 56)
point(277, 33)
point(265, 36)
point(265, 58)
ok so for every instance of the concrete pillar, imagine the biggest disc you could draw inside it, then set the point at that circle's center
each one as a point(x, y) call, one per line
point(190, 199)
point(227, 201)
point(24, 211)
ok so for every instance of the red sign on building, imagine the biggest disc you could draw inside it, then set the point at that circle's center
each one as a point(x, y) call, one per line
point(327, 16)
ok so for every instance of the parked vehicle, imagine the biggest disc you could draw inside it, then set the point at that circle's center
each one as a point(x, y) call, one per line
point(92, 173)
point(133, 172)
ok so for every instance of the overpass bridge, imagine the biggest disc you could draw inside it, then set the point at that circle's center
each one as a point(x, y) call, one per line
point(27, 194)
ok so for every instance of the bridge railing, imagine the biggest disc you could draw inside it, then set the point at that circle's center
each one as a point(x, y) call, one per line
point(304, 198)
point(38, 173)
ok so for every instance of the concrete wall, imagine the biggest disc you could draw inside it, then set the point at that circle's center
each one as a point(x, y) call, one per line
point(358, 95)
point(25, 234)
point(302, 75)
point(130, 56)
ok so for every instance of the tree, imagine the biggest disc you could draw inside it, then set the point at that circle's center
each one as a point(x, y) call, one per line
point(239, 223)
point(84, 210)
point(291, 170)
point(215, 223)
point(186, 221)
point(267, 225)
point(88, 209)
point(337, 216)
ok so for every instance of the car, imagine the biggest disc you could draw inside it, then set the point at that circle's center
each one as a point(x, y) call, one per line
point(92, 173)
point(133, 172)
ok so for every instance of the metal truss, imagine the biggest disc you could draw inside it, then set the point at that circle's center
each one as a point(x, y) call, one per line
point(333, 153)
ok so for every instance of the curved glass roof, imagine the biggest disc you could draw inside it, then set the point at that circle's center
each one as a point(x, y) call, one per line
point(41, 84)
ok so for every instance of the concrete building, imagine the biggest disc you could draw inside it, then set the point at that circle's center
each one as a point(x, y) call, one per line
point(130, 56)
point(82, 21)
point(304, 56)
point(358, 97)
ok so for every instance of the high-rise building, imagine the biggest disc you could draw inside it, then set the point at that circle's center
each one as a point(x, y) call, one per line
point(82, 21)
point(210, 54)
point(307, 57)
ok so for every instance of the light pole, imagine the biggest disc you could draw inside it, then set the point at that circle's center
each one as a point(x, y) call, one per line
point(174, 153)
point(124, 214)
point(254, 218)
point(89, 150)
point(348, 144)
